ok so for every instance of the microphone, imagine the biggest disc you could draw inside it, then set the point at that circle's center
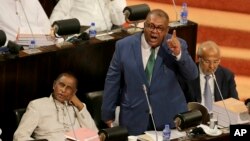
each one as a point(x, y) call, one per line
point(247, 103)
point(176, 22)
point(150, 110)
point(176, 13)
point(2, 38)
point(222, 99)
point(71, 123)
point(26, 18)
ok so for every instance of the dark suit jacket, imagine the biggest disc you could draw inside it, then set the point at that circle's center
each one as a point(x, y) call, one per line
point(226, 82)
point(125, 80)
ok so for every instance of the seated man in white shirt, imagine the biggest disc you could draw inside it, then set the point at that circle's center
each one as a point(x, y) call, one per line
point(23, 16)
point(105, 13)
point(51, 117)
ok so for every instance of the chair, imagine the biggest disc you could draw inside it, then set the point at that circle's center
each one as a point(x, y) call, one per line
point(94, 103)
point(18, 113)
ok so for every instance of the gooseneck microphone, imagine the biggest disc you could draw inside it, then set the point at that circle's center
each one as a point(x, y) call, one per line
point(176, 13)
point(2, 38)
point(26, 18)
point(222, 99)
point(71, 123)
point(150, 110)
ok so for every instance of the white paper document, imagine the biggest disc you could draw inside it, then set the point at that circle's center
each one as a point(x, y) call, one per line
point(151, 135)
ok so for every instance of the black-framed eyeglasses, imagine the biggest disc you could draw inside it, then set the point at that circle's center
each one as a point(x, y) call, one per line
point(152, 27)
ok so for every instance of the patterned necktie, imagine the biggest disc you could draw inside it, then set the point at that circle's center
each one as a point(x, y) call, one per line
point(208, 94)
point(150, 65)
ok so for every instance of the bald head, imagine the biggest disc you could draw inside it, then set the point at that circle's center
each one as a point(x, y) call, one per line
point(160, 14)
point(208, 48)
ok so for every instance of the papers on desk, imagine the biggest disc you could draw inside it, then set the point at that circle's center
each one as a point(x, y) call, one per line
point(32, 51)
point(82, 134)
point(151, 135)
point(40, 39)
point(237, 112)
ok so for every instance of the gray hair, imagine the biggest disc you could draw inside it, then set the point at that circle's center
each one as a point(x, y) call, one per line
point(208, 45)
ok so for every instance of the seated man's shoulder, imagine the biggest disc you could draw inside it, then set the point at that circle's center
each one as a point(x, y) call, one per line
point(41, 101)
point(225, 70)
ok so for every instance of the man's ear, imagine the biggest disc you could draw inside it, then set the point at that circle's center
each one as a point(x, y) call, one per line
point(75, 91)
point(54, 83)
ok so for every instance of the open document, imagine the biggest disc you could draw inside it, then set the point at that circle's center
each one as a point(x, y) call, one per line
point(40, 39)
point(151, 135)
point(82, 134)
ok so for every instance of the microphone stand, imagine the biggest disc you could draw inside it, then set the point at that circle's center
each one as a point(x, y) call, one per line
point(221, 97)
point(150, 110)
point(176, 22)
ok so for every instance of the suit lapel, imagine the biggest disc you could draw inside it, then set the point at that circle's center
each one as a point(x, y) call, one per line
point(158, 63)
point(138, 59)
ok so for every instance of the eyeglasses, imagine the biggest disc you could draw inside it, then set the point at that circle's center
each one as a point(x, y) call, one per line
point(208, 62)
point(152, 27)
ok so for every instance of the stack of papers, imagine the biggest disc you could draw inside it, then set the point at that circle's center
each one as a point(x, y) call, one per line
point(40, 39)
point(151, 135)
point(232, 111)
point(82, 134)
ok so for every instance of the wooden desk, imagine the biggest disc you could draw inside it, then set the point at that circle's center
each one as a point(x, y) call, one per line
point(31, 76)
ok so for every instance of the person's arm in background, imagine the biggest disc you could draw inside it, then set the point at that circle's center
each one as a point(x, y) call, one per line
point(61, 10)
point(116, 11)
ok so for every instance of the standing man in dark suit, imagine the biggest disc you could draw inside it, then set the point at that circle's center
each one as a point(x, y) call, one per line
point(130, 71)
point(208, 63)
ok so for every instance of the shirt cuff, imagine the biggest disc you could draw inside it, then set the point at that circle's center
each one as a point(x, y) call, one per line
point(178, 57)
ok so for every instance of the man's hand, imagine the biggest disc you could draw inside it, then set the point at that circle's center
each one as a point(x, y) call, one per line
point(76, 102)
point(174, 44)
point(109, 123)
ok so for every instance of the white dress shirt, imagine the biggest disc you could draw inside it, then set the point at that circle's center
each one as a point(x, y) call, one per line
point(46, 118)
point(104, 13)
point(146, 51)
point(13, 18)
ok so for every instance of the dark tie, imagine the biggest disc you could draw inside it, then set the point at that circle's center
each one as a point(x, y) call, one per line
point(150, 65)
point(208, 94)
